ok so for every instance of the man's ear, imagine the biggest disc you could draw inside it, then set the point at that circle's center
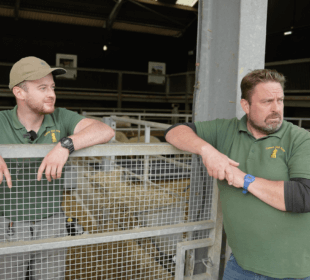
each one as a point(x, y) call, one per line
point(245, 106)
point(19, 93)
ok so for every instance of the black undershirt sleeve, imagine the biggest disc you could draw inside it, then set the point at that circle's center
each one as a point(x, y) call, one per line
point(297, 195)
point(191, 125)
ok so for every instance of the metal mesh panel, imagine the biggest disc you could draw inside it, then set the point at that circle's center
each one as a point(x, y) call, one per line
point(138, 203)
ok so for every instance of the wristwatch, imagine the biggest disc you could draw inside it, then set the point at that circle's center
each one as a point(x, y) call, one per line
point(67, 143)
point(248, 179)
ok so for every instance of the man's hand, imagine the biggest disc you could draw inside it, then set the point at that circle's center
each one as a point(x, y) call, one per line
point(238, 177)
point(218, 165)
point(4, 170)
point(53, 163)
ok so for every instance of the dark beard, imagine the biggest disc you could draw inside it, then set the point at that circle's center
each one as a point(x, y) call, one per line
point(265, 130)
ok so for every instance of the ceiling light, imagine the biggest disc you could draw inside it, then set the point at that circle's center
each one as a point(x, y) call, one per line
point(288, 32)
point(105, 47)
point(190, 3)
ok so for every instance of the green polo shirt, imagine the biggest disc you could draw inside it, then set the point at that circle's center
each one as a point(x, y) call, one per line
point(263, 239)
point(28, 199)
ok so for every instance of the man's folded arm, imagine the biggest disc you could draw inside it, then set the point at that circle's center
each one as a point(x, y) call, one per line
point(296, 191)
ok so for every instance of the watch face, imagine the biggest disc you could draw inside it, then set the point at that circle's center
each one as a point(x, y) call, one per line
point(66, 142)
point(249, 178)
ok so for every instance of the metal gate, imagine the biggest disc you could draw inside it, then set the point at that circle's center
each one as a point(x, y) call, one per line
point(134, 211)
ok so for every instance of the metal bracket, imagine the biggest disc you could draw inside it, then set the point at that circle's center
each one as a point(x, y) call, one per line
point(206, 261)
point(181, 249)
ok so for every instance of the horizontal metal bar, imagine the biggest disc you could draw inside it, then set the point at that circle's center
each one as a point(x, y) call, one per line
point(143, 91)
point(297, 103)
point(173, 6)
point(181, 74)
point(109, 71)
point(285, 62)
point(204, 276)
point(151, 124)
point(173, 161)
point(297, 98)
point(84, 89)
point(124, 149)
point(137, 129)
point(136, 114)
point(87, 239)
point(297, 119)
point(296, 91)
point(194, 244)
point(113, 97)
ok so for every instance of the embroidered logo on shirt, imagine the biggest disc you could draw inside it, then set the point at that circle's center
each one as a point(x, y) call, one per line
point(274, 152)
point(53, 135)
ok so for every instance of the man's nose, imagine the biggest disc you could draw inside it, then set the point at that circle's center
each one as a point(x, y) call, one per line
point(51, 92)
point(276, 106)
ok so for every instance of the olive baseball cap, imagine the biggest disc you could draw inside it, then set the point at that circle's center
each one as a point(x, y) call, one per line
point(31, 68)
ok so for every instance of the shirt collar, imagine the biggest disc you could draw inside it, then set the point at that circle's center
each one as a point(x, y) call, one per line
point(17, 124)
point(47, 122)
point(279, 133)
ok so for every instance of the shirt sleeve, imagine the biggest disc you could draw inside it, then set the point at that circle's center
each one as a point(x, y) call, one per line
point(299, 161)
point(219, 133)
point(190, 125)
point(70, 120)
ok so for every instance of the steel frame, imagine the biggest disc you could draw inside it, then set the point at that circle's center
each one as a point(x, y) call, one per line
point(111, 150)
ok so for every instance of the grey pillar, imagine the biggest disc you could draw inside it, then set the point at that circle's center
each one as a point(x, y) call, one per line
point(231, 42)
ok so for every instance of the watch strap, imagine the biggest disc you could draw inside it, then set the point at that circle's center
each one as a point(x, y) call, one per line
point(70, 147)
point(248, 179)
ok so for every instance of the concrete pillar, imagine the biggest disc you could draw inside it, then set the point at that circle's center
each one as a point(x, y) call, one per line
point(231, 42)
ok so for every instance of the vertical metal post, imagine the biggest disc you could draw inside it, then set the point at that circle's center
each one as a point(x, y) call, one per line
point(299, 122)
point(147, 136)
point(214, 252)
point(139, 128)
point(167, 85)
point(188, 92)
point(119, 90)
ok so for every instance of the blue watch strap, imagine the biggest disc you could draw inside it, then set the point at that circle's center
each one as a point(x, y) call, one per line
point(248, 179)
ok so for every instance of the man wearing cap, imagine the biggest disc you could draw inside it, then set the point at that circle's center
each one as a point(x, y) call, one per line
point(30, 206)
point(262, 164)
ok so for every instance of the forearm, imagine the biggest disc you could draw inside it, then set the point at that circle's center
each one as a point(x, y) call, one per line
point(270, 192)
point(185, 139)
point(93, 134)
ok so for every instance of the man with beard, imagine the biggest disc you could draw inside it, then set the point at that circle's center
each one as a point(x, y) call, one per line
point(30, 208)
point(262, 164)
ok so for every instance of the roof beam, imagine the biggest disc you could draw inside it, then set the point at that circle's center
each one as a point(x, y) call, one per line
point(113, 14)
point(16, 9)
point(173, 6)
point(154, 12)
point(181, 33)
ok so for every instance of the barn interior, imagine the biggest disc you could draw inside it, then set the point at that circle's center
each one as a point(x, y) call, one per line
point(120, 38)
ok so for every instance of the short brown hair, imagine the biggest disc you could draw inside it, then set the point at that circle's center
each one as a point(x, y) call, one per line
point(23, 85)
point(252, 79)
